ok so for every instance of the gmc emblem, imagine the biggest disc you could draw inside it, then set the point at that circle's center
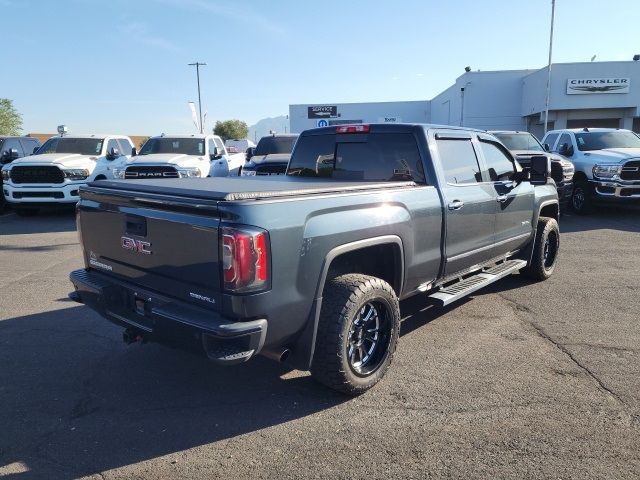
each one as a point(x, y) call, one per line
point(135, 245)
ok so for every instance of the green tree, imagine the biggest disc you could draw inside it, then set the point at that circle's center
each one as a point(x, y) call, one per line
point(231, 129)
point(10, 119)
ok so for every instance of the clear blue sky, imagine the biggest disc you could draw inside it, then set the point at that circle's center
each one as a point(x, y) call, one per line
point(120, 66)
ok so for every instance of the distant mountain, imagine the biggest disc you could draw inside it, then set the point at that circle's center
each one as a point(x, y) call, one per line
point(263, 127)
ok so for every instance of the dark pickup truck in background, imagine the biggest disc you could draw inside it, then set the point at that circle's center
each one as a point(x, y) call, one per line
point(309, 267)
point(271, 155)
point(524, 146)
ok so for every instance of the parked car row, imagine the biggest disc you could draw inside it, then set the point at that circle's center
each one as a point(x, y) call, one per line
point(35, 176)
point(587, 165)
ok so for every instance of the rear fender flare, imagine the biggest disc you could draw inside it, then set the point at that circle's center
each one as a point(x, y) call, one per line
point(302, 353)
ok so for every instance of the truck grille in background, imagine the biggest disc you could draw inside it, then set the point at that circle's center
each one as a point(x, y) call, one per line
point(143, 171)
point(631, 170)
point(273, 169)
point(38, 195)
point(35, 174)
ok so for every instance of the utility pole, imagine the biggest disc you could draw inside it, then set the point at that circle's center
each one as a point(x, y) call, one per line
point(198, 65)
point(546, 104)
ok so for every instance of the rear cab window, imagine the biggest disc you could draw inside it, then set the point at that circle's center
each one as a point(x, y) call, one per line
point(375, 156)
point(519, 141)
point(275, 145)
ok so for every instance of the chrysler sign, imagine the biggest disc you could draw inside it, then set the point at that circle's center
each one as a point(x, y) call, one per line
point(581, 86)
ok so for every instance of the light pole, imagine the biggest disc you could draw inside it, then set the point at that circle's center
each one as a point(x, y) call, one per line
point(198, 65)
point(462, 91)
point(546, 103)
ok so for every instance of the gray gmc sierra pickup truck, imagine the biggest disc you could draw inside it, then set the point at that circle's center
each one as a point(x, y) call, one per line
point(309, 267)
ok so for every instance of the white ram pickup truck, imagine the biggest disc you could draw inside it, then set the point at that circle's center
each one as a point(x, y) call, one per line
point(607, 163)
point(55, 172)
point(181, 156)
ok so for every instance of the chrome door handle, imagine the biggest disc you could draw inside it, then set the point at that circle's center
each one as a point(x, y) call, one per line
point(456, 205)
point(502, 198)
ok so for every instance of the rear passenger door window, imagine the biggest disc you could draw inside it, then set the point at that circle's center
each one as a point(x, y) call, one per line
point(459, 161)
point(498, 164)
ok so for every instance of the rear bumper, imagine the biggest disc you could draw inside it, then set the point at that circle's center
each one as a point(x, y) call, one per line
point(169, 321)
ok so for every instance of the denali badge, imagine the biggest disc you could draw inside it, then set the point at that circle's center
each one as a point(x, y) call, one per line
point(201, 297)
point(93, 261)
point(135, 245)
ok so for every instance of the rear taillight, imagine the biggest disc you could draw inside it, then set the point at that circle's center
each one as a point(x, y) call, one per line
point(353, 129)
point(245, 259)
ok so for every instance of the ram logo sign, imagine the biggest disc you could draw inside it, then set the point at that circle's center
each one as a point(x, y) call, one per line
point(582, 86)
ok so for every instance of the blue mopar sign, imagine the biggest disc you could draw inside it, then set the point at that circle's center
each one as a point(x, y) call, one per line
point(323, 123)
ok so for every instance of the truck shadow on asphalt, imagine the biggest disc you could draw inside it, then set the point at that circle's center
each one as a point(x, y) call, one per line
point(77, 401)
point(47, 221)
point(622, 218)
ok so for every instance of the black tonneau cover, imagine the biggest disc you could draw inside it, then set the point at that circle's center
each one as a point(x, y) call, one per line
point(242, 188)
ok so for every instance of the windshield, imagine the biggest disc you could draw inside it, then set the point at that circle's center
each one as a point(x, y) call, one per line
point(82, 146)
point(185, 146)
point(600, 140)
point(274, 145)
point(520, 141)
point(371, 157)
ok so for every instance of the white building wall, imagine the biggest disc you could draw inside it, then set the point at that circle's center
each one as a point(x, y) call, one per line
point(375, 112)
point(505, 100)
point(535, 85)
point(490, 101)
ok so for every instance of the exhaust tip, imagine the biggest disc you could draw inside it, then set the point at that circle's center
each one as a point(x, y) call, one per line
point(277, 355)
point(284, 355)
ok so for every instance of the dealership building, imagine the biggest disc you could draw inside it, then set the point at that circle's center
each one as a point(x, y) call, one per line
point(592, 94)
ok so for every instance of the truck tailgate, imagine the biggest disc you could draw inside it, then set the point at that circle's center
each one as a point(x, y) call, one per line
point(170, 247)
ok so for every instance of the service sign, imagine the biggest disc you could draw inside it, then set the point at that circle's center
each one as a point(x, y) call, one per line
point(322, 111)
point(582, 86)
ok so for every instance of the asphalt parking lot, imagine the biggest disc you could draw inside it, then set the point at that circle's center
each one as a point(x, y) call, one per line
point(522, 380)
